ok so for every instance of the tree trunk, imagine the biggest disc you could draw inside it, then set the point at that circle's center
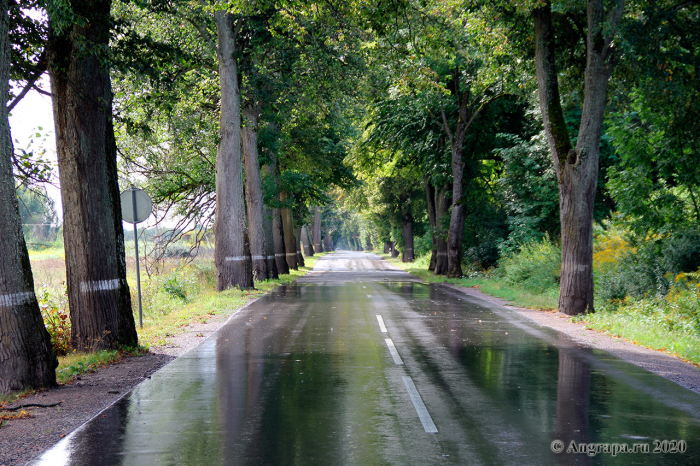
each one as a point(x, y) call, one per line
point(297, 243)
point(430, 198)
point(270, 261)
point(328, 242)
point(310, 240)
point(394, 251)
point(278, 238)
point(305, 241)
point(253, 192)
point(387, 247)
point(407, 234)
point(318, 244)
point(442, 206)
point(98, 294)
point(577, 169)
point(26, 355)
point(231, 253)
point(289, 240)
point(370, 246)
point(277, 227)
point(454, 235)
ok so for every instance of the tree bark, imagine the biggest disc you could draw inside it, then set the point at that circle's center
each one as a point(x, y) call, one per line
point(277, 227)
point(305, 242)
point(407, 234)
point(231, 252)
point(576, 168)
point(270, 262)
point(253, 192)
point(297, 243)
point(394, 251)
point(278, 237)
point(442, 206)
point(26, 355)
point(430, 198)
point(310, 240)
point(98, 294)
point(387, 247)
point(318, 244)
point(289, 240)
point(328, 240)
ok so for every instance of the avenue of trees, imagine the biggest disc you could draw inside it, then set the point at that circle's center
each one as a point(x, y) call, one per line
point(462, 129)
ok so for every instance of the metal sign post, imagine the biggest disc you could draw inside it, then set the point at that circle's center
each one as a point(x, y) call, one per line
point(136, 207)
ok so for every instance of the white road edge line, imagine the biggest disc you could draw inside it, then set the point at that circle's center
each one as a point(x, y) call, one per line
point(382, 327)
point(394, 353)
point(422, 411)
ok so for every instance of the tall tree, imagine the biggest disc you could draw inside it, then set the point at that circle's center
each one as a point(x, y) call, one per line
point(576, 167)
point(26, 355)
point(232, 253)
point(253, 190)
point(98, 294)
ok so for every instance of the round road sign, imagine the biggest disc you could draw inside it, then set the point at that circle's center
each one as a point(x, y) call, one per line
point(141, 199)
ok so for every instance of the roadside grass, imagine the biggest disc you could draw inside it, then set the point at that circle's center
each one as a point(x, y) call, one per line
point(649, 331)
point(655, 323)
point(74, 364)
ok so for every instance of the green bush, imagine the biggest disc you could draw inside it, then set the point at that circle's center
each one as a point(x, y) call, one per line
point(537, 266)
point(423, 244)
point(54, 310)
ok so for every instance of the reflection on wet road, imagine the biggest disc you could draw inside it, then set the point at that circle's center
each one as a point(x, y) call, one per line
point(358, 364)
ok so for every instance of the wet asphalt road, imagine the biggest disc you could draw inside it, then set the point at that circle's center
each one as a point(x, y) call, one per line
point(360, 364)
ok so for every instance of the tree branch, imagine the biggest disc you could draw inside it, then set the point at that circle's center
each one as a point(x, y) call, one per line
point(39, 70)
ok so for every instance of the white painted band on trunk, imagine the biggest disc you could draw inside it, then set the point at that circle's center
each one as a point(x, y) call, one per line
point(236, 258)
point(394, 353)
point(16, 299)
point(293, 254)
point(271, 257)
point(100, 285)
point(421, 410)
point(382, 327)
point(441, 253)
point(280, 255)
point(258, 258)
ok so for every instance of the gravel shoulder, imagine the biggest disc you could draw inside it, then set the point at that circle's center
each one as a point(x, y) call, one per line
point(21, 440)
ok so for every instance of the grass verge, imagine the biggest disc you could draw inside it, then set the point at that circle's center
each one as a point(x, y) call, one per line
point(649, 331)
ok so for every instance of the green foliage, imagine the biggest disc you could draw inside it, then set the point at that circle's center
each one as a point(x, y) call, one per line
point(528, 191)
point(536, 266)
point(422, 246)
point(649, 268)
point(54, 310)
